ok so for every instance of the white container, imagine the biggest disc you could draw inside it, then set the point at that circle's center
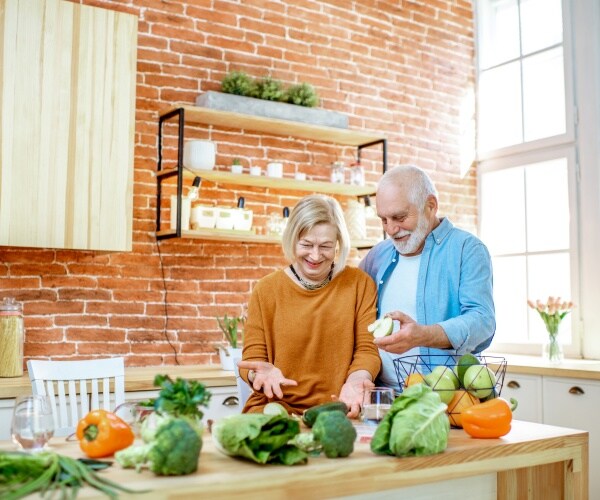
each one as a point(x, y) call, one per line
point(226, 218)
point(186, 205)
point(243, 219)
point(275, 170)
point(203, 217)
point(237, 169)
point(199, 155)
point(300, 176)
point(255, 171)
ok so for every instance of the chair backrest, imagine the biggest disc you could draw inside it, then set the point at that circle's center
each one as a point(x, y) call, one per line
point(244, 390)
point(76, 387)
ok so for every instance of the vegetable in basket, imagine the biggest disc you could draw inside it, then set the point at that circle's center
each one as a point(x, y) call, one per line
point(416, 425)
point(491, 419)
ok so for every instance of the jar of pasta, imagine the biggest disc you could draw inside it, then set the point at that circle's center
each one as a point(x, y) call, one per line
point(11, 338)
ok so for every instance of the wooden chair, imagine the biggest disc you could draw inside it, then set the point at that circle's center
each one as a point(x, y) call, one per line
point(73, 388)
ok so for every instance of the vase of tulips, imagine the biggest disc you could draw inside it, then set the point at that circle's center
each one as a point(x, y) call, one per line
point(552, 313)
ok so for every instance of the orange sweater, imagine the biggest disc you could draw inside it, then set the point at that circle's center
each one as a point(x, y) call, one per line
point(316, 338)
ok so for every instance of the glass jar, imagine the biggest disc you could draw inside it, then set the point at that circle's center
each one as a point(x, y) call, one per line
point(11, 338)
point(357, 175)
point(338, 170)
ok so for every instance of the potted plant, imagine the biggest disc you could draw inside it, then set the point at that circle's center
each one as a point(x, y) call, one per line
point(232, 328)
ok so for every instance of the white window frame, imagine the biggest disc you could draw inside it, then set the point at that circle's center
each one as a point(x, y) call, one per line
point(581, 146)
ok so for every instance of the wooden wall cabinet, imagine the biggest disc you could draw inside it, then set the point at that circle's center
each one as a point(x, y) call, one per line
point(67, 104)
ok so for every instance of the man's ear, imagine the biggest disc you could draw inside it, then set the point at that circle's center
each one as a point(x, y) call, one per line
point(431, 204)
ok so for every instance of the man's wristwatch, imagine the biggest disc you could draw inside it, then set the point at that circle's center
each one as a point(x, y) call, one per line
point(251, 375)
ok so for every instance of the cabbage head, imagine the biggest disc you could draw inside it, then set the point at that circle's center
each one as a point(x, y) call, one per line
point(416, 425)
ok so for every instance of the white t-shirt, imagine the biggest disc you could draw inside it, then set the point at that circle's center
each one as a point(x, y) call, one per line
point(399, 294)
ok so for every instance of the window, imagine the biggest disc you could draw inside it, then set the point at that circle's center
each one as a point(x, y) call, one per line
point(527, 166)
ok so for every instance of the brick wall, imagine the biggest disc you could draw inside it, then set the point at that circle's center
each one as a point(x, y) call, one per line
point(402, 69)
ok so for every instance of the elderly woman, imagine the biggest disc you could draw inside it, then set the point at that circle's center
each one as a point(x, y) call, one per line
point(306, 340)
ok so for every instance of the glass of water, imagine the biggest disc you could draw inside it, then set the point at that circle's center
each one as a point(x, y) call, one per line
point(32, 423)
point(377, 402)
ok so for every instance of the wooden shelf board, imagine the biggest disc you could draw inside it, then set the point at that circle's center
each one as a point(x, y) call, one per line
point(244, 237)
point(278, 183)
point(228, 119)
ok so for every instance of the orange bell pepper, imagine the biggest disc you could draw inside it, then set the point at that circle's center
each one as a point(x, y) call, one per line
point(490, 419)
point(101, 433)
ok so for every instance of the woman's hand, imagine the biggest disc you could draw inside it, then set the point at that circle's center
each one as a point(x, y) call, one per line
point(353, 391)
point(267, 378)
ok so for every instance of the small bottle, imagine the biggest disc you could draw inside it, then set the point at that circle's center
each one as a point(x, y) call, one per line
point(338, 172)
point(286, 217)
point(11, 338)
point(193, 193)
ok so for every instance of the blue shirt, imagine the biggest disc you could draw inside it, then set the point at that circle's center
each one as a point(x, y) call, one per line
point(454, 287)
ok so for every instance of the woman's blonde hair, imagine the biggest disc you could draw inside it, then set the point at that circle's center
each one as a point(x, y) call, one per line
point(310, 211)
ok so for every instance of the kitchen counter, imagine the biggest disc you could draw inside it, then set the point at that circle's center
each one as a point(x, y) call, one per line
point(542, 461)
point(576, 368)
point(136, 378)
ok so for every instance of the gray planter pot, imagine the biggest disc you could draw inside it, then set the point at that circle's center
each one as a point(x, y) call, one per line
point(271, 109)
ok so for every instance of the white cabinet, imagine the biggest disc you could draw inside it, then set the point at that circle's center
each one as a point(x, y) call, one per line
point(561, 401)
point(6, 409)
point(575, 403)
point(223, 402)
point(527, 390)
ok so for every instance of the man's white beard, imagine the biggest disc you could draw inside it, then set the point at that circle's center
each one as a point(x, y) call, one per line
point(414, 241)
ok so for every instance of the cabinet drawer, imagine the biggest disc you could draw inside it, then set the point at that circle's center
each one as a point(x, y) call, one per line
point(224, 401)
point(527, 390)
point(575, 403)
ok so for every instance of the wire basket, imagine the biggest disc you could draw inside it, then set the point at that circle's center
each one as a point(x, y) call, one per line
point(410, 369)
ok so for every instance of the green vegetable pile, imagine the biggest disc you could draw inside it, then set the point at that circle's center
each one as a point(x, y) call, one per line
point(172, 435)
point(172, 448)
point(416, 425)
point(179, 398)
point(334, 434)
point(260, 438)
point(22, 474)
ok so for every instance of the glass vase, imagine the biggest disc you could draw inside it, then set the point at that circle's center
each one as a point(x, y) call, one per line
point(553, 350)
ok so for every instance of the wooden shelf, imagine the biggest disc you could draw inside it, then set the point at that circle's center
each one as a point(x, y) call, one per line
point(242, 236)
point(228, 119)
point(271, 182)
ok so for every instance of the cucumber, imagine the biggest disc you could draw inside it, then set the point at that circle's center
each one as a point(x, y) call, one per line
point(309, 417)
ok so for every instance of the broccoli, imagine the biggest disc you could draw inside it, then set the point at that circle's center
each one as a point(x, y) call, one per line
point(173, 449)
point(335, 433)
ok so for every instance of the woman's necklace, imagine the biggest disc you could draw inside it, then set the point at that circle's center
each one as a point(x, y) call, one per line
point(311, 286)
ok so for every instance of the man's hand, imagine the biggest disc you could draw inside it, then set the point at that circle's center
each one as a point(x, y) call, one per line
point(411, 334)
point(268, 378)
point(353, 391)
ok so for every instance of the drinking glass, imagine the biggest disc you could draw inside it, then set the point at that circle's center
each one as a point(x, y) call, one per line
point(32, 423)
point(377, 402)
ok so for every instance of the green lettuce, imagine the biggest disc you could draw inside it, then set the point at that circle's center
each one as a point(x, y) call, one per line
point(260, 438)
point(416, 425)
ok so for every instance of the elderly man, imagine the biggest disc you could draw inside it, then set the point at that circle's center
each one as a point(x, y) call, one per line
point(434, 280)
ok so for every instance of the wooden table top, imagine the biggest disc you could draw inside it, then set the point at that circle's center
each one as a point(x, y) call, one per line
point(220, 476)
